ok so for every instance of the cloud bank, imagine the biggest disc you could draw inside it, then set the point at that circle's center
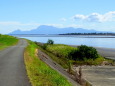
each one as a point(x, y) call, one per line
point(95, 17)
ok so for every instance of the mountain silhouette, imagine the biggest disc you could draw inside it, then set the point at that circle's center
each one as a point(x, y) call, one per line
point(45, 29)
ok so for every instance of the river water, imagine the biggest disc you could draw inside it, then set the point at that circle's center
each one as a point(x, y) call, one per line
point(95, 41)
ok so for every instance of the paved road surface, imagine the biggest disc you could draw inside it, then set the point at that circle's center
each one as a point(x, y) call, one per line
point(56, 67)
point(100, 75)
point(12, 68)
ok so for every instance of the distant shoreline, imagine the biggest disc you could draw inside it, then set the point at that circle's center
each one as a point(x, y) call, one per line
point(57, 35)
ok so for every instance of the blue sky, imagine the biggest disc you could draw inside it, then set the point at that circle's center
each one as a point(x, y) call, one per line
point(29, 14)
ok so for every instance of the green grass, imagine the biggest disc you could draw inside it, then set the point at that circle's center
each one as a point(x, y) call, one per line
point(62, 61)
point(97, 61)
point(6, 41)
point(39, 73)
point(61, 50)
point(60, 53)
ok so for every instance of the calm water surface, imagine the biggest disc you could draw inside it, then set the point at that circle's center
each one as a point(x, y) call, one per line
point(95, 41)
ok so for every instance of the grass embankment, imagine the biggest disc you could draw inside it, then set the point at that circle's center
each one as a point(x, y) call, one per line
point(58, 52)
point(39, 73)
point(6, 41)
point(62, 54)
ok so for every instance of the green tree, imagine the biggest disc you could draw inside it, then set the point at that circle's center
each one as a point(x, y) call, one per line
point(50, 41)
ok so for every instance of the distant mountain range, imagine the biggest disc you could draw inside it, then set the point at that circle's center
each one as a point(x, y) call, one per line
point(44, 29)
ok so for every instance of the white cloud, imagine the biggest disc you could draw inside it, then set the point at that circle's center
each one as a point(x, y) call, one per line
point(96, 17)
point(79, 17)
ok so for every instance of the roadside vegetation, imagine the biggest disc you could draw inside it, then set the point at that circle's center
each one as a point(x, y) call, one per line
point(69, 57)
point(39, 73)
point(66, 55)
point(6, 41)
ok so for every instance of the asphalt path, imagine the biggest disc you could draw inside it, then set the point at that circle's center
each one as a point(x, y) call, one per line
point(12, 67)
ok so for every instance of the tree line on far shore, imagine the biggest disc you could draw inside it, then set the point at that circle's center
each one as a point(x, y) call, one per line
point(88, 34)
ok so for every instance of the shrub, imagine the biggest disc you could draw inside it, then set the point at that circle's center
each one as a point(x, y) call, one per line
point(84, 52)
point(50, 41)
point(44, 46)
